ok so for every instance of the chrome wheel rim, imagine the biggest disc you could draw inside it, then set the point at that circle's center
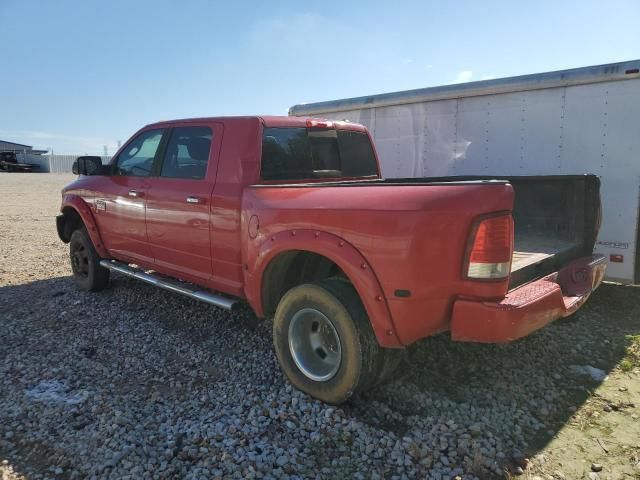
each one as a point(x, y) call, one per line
point(314, 345)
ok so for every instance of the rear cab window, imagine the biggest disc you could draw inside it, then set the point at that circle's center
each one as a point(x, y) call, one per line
point(292, 154)
point(187, 153)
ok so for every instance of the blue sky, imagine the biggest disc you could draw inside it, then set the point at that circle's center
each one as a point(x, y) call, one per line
point(77, 75)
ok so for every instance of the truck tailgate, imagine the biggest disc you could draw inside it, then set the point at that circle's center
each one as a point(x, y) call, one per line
point(556, 220)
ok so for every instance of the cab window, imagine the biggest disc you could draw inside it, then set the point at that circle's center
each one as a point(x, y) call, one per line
point(312, 153)
point(136, 160)
point(187, 153)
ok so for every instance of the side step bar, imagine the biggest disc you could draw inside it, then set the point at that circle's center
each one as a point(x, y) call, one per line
point(202, 295)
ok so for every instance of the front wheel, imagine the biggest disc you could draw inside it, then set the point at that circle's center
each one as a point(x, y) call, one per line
point(324, 342)
point(88, 274)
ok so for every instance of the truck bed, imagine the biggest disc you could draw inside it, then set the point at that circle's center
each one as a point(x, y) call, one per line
point(532, 250)
point(555, 217)
point(555, 221)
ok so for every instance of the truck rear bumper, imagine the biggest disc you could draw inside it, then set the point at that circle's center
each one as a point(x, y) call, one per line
point(529, 307)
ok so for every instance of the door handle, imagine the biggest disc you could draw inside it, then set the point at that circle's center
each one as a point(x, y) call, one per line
point(193, 200)
point(135, 193)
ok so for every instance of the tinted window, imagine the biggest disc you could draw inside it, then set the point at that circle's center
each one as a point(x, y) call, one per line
point(286, 154)
point(138, 156)
point(301, 153)
point(187, 153)
point(357, 152)
point(325, 155)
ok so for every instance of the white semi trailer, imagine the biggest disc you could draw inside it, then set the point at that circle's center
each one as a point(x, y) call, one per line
point(583, 120)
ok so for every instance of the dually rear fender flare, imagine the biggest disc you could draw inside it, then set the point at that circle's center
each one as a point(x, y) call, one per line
point(339, 251)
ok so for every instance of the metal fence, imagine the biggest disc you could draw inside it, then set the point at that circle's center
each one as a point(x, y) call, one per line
point(54, 163)
point(63, 163)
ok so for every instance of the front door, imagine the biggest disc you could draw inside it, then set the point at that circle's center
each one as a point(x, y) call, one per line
point(121, 210)
point(179, 203)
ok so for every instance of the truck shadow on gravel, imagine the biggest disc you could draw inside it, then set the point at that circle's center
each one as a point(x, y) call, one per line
point(452, 407)
point(518, 395)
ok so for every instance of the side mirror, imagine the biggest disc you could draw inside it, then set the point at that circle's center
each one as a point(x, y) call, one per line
point(87, 166)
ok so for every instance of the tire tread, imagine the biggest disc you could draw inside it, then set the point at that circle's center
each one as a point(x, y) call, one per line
point(98, 277)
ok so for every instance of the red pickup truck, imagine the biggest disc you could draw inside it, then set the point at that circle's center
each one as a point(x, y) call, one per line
point(291, 216)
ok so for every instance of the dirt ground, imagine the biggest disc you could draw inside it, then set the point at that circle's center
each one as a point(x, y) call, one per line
point(592, 422)
point(602, 426)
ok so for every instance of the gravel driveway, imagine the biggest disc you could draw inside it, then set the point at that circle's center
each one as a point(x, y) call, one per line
point(134, 382)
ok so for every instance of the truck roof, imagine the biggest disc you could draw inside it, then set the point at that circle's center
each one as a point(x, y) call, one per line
point(266, 120)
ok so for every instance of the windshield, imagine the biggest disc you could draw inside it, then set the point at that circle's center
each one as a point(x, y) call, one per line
point(311, 153)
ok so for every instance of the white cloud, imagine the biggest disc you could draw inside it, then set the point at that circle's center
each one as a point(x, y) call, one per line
point(464, 76)
point(487, 77)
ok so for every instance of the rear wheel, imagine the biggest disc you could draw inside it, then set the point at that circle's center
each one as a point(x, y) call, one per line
point(88, 274)
point(324, 342)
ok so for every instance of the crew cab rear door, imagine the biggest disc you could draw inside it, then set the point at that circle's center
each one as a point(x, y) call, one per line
point(179, 201)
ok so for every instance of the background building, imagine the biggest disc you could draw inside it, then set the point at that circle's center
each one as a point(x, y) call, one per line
point(6, 146)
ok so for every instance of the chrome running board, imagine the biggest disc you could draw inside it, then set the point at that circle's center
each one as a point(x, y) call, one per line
point(202, 295)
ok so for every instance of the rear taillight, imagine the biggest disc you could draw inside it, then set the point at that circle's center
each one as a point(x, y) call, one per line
point(490, 248)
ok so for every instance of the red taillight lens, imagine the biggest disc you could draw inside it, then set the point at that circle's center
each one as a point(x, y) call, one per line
point(491, 248)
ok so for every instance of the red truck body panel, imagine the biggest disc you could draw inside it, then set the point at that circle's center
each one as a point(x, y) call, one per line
point(123, 224)
point(345, 255)
point(405, 233)
point(385, 238)
point(76, 203)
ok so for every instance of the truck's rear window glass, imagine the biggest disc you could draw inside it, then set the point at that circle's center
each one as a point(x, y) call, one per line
point(304, 154)
point(187, 153)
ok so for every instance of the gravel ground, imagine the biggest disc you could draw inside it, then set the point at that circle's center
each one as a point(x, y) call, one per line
point(134, 382)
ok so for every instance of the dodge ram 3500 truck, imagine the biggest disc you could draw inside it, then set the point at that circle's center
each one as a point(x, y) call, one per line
point(291, 216)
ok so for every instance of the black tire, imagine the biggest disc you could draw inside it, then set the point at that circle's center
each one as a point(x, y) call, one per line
point(359, 362)
point(88, 274)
